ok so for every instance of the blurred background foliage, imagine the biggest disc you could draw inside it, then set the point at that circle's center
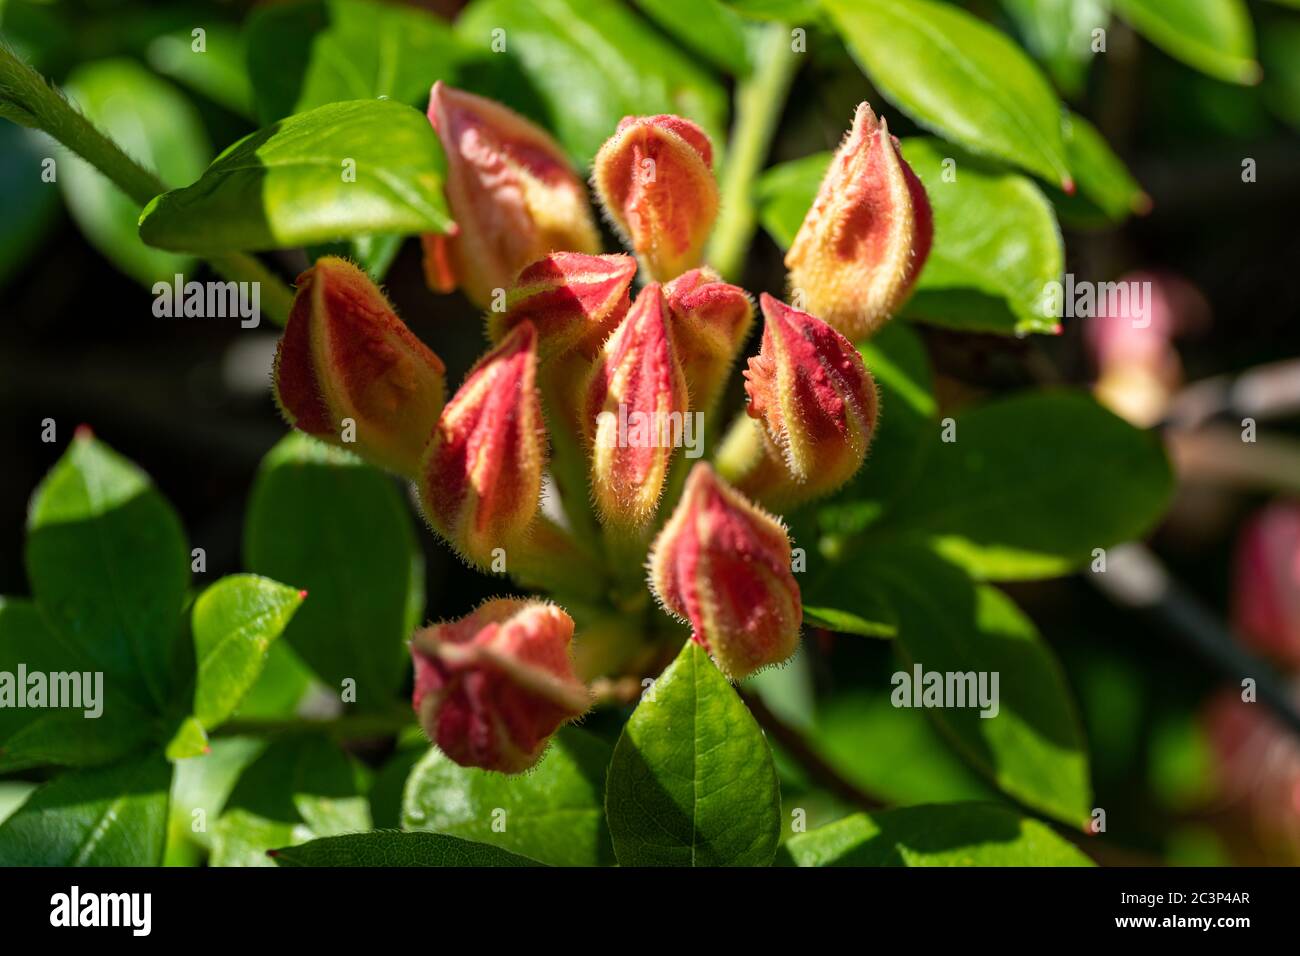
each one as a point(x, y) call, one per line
point(1182, 103)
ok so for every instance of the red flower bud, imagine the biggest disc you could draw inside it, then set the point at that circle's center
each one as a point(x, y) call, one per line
point(634, 408)
point(492, 687)
point(863, 242)
point(655, 179)
point(482, 473)
point(573, 300)
point(511, 191)
point(346, 355)
point(1267, 591)
point(722, 565)
point(814, 396)
point(710, 320)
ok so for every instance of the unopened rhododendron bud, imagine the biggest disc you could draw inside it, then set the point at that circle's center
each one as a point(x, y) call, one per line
point(722, 565)
point(481, 478)
point(634, 413)
point(710, 320)
point(491, 687)
point(1266, 596)
point(866, 236)
point(814, 396)
point(573, 300)
point(655, 179)
point(347, 357)
point(511, 191)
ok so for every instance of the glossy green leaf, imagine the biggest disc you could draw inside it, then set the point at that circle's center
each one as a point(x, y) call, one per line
point(1030, 744)
point(1107, 192)
point(109, 816)
point(872, 620)
point(706, 27)
point(1214, 36)
point(956, 75)
point(1060, 34)
point(234, 622)
point(297, 789)
point(996, 241)
point(321, 520)
point(344, 169)
point(579, 66)
point(1033, 484)
point(200, 788)
point(216, 71)
point(554, 814)
point(154, 123)
point(188, 740)
point(58, 735)
point(692, 781)
point(108, 566)
point(787, 11)
point(953, 834)
point(308, 53)
point(392, 848)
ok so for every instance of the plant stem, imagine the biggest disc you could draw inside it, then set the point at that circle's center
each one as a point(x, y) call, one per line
point(758, 105)
point(27, 98)
point(348, 728)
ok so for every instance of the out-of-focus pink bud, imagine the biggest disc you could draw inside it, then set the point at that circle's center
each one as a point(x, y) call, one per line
point(710, 320)
point(346, 355)
point(811, 390)
point(481, 478)
point(722, 565)
point(655, 179)
point(1266, 598)
point(866, 236)
point(511, 191)
point(634, 412)
point(491, 687)
point(573, 300)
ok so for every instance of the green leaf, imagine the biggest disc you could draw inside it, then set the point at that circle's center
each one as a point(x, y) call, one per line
point(344, 169)
point(31, 206)
point(390, 848)
point(200, 788)
point(1280, 48)
point(217, 71)
point(234, 622)
point(306, 54)
point(31, 737)
point(1107, 193)
point(953, 834)
point(111, 816)
point(155, 124)
point(579, 66)
point(108, 565)
point(1033, 484)
point(996, 241)
point(188, 740)
point(1032, 747)
point(1214, 36)
point(959, 77)
point(705, 27)
point(787, 11)
point(1059, 33)
point(321, 520)
point(692, 781)
point(870, 617)
point(553, 814)
point(299, 788)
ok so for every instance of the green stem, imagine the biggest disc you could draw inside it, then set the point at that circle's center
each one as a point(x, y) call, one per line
point(28, 99)
point(759, 101)
point(349, 727)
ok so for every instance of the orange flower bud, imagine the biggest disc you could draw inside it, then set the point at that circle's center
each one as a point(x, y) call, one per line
point(634, 413)
point(722, 565)
point(710, 321)
point(481, 477)
point(347, 357)
point(491, 687)
point(814, 396)
point(655, 179)
point(867, 234)
point(511, 191)
point(573, 300)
